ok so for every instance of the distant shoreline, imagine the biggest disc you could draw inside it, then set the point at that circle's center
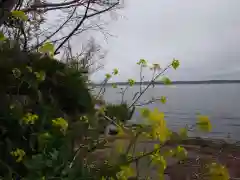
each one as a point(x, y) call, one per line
point(175, 82)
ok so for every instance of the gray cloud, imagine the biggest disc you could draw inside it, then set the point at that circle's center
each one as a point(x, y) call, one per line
point(204, 35)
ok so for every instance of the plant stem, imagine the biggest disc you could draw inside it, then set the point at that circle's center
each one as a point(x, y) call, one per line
point(150, 83)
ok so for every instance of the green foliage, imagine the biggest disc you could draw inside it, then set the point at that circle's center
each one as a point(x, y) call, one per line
point(19, 14)
point(175, 63)
point(114, 85)
point(47, 48)
point(2, 37)
point(163, 99)
point(49, 128)
point(166, 81)
point(131, 82)
point(142, 62)
point(41, 102)
point(119, 111)
point(115, 71)
point(108, 76)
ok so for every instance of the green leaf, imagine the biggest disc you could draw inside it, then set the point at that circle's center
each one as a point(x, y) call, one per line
point(16, 72)
point(2, 37)
point(183, 133)
point(175, 63)
point(114, 85)
point(47, 48)
point(163, 99)
point(108, 76)
point(115, 71)
point(145, 112)
point(20, 14)
point(40, 75)
point(166, 81)
point(142, 62)
point(131, 82)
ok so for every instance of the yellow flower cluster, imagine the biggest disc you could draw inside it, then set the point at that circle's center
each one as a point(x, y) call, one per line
point(30, 118)
point(204, 123)
point(218, 172)
point(61, 123)
point(19, 154)
point(159, 126)
point(125, 173)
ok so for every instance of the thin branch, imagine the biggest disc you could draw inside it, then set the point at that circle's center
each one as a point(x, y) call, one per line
point(148, 102)
point(50, 36)
point(150, 83)
point(46, 5)
point(123, 94)
point(75, 29)
point(102, 86)
point(24, 35)
point(81, 22)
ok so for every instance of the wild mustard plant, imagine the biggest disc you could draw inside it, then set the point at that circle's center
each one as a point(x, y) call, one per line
point(19, 154)
point(159, 130)
point(30, 118)
point(60, 123)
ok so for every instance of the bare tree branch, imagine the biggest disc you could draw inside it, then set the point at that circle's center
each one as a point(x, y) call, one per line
point(55, 5)
point(75, 29)
point(60, 27)
point(81, 22)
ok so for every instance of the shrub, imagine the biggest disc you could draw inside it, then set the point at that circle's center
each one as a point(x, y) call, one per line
point(119, 111)
point(42, 101)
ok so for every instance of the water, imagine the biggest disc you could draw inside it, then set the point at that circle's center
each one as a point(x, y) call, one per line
point(221, 102)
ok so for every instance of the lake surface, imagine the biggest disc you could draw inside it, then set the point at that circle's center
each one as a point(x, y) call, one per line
point(221, 102)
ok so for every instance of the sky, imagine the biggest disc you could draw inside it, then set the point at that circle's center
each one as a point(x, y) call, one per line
point(204, 35)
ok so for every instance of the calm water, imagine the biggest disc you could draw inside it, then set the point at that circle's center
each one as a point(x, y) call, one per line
point(221, 102)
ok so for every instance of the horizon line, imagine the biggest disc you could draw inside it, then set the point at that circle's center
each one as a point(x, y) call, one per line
point(175, 82)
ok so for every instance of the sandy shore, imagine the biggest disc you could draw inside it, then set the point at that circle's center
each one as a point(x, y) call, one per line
point(199, 154)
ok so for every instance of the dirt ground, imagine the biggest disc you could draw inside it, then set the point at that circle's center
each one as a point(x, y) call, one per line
point(189, 169)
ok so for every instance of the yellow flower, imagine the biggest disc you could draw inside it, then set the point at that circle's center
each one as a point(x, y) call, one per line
point(183, 133)
point(84, 119)
point(19, 154)
point(40, 75)
point(159, 127)
point(160, 131)
point(181, 153)
point(218, 172)
point(204, 123)
point(119, 145)
point(145, 112)
point(30, 118)
point(160, 161)
point(155, 116)
point(203, 119)
point(125, 173)
point(121, 131)
point(61, 123)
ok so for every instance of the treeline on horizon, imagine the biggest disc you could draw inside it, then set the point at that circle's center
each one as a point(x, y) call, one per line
point(174, 82)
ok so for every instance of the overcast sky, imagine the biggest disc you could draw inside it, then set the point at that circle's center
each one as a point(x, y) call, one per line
point(204, 35)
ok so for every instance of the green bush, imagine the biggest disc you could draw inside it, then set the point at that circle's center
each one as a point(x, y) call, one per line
point(42, 101)
point(119, 111)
